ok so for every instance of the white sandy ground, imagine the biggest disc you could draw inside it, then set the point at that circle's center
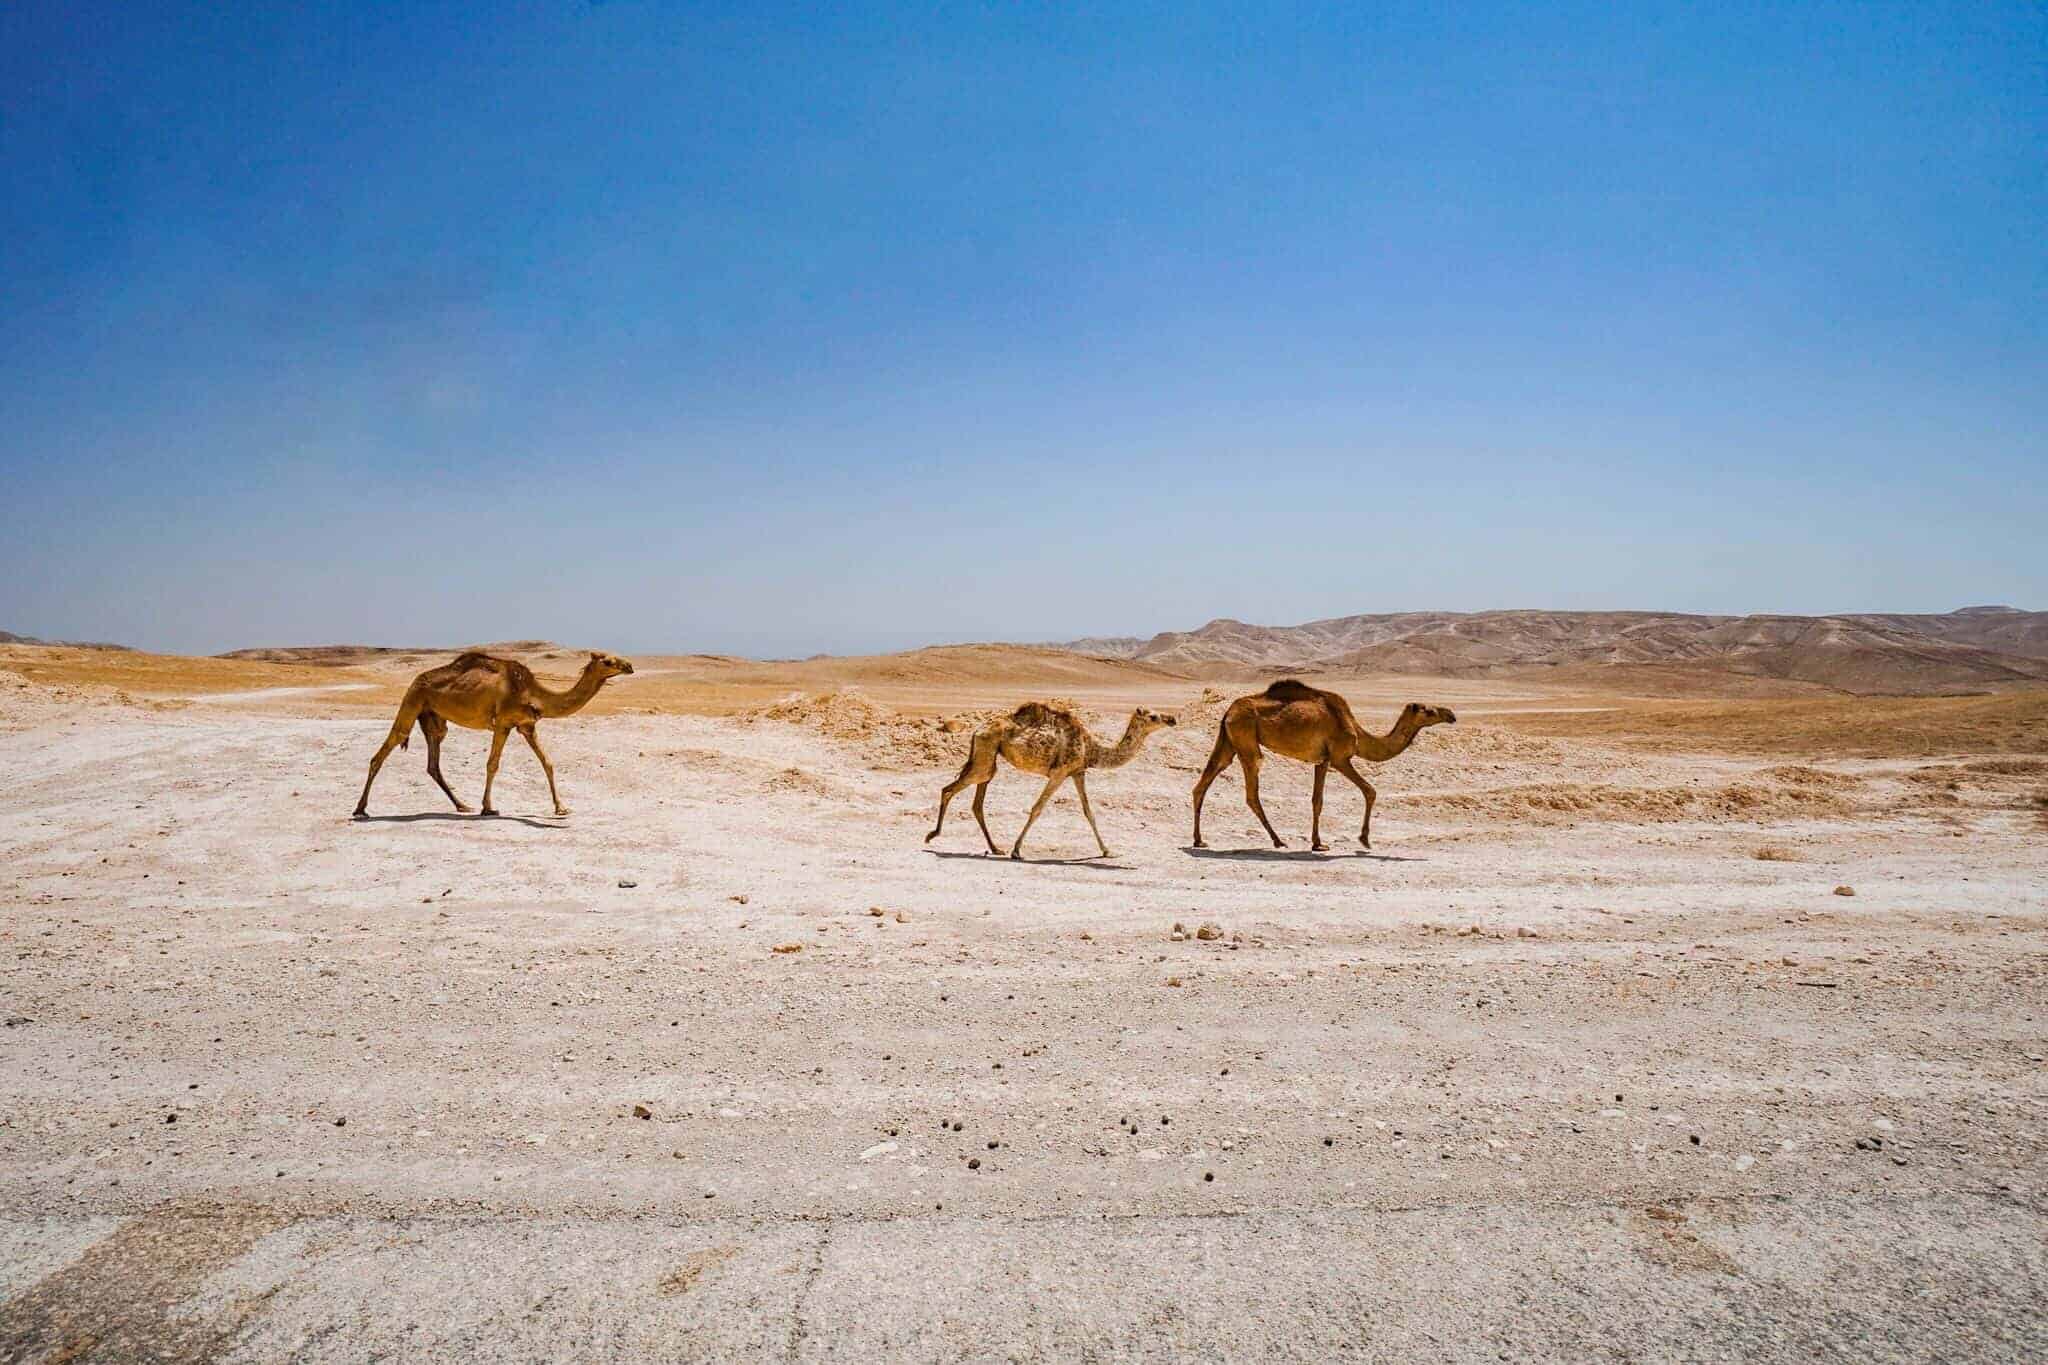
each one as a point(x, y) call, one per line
point(1632, 1135)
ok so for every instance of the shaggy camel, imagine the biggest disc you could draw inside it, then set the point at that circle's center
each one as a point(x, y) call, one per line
point(1315, 726)
point(1049, 740)
point(484, 692)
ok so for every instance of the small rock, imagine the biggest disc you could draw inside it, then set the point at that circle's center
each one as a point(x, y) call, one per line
point(1845, 891)
point(625, 885)
point(875, 910)
point(737, 900)
point(1744, 1162)
point(340, 1122)
point(788, 948)
point(1209, 931)
point(641, 1111)
point(974, 1163)
point(170, 1118)
point(903, 917)
point(1524, 931)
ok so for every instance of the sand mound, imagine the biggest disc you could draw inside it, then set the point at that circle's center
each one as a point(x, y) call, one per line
point(26, 703)
point(885, 737)
point(1605, 801)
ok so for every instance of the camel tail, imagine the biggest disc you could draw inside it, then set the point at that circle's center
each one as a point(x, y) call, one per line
point(1220, 756)
point(410, 711)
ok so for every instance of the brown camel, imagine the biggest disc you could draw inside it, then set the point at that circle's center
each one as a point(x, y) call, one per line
point(1316, 727)
point(484, 692)
point(1049, 740)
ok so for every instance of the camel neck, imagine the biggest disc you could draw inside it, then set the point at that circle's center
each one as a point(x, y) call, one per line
point(1122, 752)
point(1380, 748)
point(554, 703)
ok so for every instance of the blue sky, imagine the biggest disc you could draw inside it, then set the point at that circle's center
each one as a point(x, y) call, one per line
point(775, 329)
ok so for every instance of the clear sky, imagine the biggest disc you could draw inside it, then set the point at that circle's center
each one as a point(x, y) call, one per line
point(775, 329)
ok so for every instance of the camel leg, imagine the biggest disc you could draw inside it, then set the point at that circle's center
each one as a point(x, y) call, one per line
point(408, 712)
point(1219, 759)
point(1081, 786)
point(491, 768)
point(436, 729)
point(1250, 763)
point(1365, 829)
point(1052, 784)
point(533, 742)
point(1315, 816)
point(979, 768)
point(980, 792)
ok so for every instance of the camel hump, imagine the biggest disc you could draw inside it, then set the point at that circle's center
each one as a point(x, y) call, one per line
point(1294, 689)
point(1037, 713)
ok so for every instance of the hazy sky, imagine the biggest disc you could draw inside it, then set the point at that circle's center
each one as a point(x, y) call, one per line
point(657, 326)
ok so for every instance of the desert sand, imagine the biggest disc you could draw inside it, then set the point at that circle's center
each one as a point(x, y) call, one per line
point(1593, 1056)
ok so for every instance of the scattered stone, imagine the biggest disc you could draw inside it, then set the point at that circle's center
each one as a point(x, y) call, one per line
point(1524, 931)
point(18, 1020)
point(788, 948)
point(1208, 1176)
point(641, 1111)
point(626, 885)
point(340, 1122)
point(974, 1163)
point(736, 900)
point(1173, 981)
point(1845, 891)
point(170, 1118)
point(875, 910)
point(903, 917)
point(1744, 1162)
point(1664, 1215)
point(1209, 931)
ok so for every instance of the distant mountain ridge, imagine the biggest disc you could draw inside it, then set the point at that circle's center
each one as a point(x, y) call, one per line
point(1971, 649)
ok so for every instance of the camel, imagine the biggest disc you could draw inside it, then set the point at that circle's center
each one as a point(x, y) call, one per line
point(1315, 726)
point(1052, 741)
point(483, 692)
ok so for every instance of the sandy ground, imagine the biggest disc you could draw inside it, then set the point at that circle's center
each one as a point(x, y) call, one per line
point(1586, 1059)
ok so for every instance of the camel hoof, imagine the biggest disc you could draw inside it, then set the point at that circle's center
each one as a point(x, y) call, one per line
point(561, 810)
point(360, 814)
point(1015, 856)
point(1279, 843)
point(1198, 844)
point(933, 835)
point(461, 809)
point(1319, 847)
point(488, 811)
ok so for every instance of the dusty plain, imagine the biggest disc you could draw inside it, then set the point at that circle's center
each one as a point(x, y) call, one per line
point(1587, 1058)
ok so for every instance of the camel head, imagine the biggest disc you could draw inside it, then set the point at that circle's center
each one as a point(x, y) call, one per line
point(1144, 721)
point(1417, 716)
point(607, 665)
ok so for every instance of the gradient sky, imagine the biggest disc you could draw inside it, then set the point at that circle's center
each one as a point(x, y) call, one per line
point(775, 330)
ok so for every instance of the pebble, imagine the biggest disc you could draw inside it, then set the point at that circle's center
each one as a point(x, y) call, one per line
point(788, 948)
point(1209, 931)
point(1845, 891)
point(1524, 931)
point(625, 885)
point(641, 1111)
point(974, 1163)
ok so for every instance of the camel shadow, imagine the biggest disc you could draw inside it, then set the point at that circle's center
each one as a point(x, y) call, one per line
point(418, 816)
point(1292, 855)
point(1093, 863)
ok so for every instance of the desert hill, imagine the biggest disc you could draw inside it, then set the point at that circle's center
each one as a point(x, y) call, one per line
point(1974, 649)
